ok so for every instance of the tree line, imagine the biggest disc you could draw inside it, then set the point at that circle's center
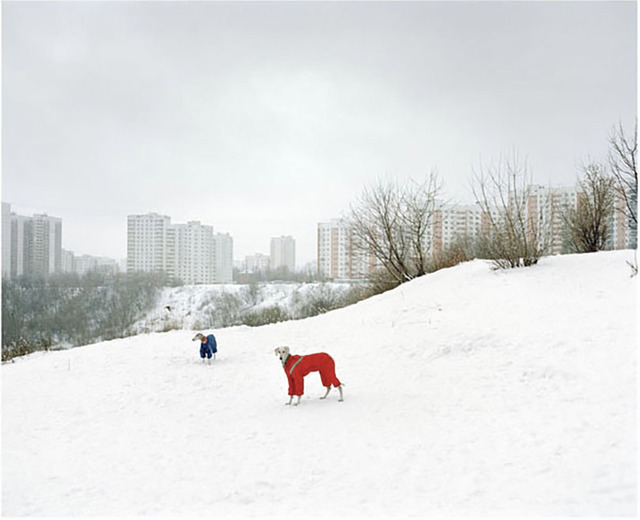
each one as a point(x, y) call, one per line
point(40, 313)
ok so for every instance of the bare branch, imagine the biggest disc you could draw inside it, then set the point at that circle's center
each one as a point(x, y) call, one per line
point(623, 155)
point(502, 191)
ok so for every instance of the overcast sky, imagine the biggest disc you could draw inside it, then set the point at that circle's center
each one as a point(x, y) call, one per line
point(264, 118)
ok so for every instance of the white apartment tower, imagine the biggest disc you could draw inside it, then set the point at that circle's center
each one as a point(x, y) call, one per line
point(30, 245)
point(148, 244)
point(223, 257)
point(6, 239)
point(46, 244)
point(19, 240)
point(193, 253)
point(283, 253)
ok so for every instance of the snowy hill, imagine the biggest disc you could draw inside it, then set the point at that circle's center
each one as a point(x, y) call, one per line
point(468, 392)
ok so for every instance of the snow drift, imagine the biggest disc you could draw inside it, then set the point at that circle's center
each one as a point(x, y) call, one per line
point(468, 392)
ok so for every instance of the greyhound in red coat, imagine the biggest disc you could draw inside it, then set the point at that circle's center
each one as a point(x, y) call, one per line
point(296, 367)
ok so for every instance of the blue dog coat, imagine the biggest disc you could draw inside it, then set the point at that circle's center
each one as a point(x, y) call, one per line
point(209, 347)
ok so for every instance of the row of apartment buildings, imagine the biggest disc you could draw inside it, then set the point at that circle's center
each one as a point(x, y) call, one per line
point(193, 253)
point(190, 252)
point(339, 257)
point(33, 246)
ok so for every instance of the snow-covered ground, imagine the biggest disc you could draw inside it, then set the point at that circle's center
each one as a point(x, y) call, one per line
point(468, 392)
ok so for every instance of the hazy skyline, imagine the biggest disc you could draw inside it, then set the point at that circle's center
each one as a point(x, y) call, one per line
point(264, 118)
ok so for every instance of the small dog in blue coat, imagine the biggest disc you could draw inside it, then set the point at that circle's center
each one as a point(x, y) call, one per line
point(208, 346)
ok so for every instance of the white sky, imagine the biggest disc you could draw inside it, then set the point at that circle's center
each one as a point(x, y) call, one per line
point(264, 118)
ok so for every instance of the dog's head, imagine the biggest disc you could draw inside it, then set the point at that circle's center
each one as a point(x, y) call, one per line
point(282, 353)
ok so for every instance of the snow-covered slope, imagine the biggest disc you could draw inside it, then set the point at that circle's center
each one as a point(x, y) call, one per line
point(468, 392)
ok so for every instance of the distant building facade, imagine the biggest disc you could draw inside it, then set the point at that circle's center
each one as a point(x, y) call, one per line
point(257, 263)
point(451, 222)
point(224, 257)
point(338, 257)
point(148, 244)
point(283, 253)
point(30, 245)
point(548, 206)
point(6, 239)
point(189, 252)
point(83, 264)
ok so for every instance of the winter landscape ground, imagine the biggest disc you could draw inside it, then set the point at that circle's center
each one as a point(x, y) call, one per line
point(469, 391)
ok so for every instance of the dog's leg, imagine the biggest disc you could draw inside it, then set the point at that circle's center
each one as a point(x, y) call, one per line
point(341, 397)
point(326, 393)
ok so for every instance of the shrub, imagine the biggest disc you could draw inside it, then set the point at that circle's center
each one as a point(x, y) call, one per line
point(265, 316)
point(511, 238)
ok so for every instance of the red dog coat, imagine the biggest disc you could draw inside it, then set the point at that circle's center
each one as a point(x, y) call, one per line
point(296, 367)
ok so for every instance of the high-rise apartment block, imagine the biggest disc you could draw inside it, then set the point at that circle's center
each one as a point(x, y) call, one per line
point(190, 252)
point(224, 257)
point(339, 258)
point(547, 207)
point(624, 232)
point(283, 253)
point(450, 222)
point(148, 244)
point(30, 245)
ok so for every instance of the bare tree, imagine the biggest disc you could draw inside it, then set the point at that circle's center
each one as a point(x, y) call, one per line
point(588, 223)
point(375, 220)
point(418, 209)
point(623, 155)
point(513, 236)
point(391, 223)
